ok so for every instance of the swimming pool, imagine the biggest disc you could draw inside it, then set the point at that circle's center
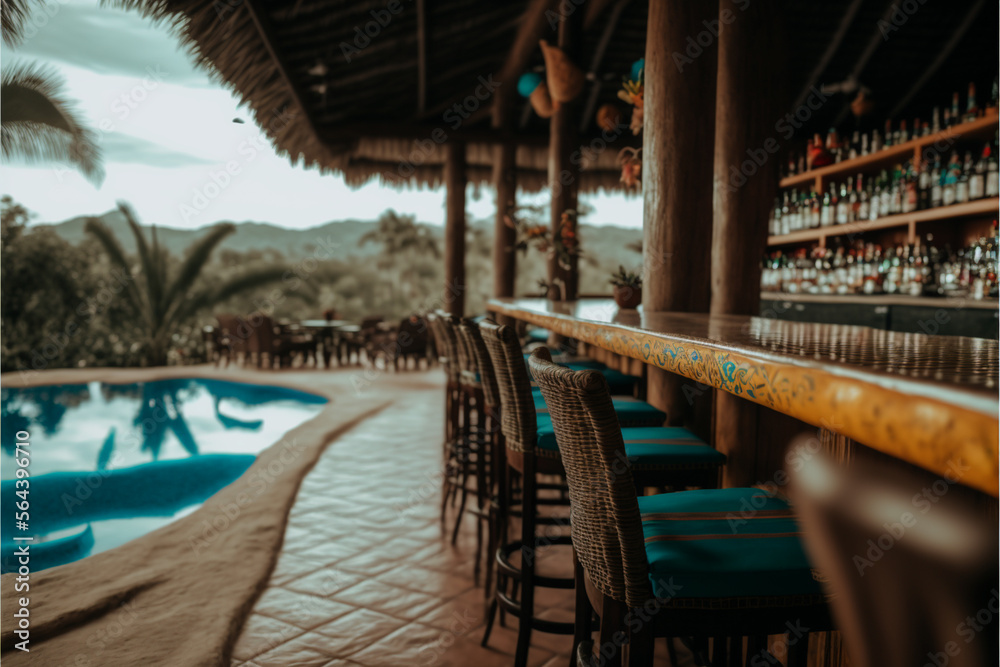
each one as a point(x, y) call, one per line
point(111, 462)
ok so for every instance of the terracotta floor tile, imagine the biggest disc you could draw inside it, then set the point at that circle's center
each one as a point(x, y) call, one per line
point(261, 634)
point(398, 602)
point(299, 609)
point(415, 578)
point(353, 632)
point(325, 582)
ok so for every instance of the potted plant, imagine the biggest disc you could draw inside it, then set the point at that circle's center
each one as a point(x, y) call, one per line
point(628, 287)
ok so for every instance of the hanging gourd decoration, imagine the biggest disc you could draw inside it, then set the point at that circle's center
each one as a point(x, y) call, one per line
point(565, 79)
point(609, 116)
point(532, 86)
point(527, 83)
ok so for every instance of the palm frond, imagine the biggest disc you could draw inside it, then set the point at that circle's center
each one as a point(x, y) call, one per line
point(116, 254)
point(154, 287)
point(13, 15)
point(250, 279)
point(198, 256)
point(38, 124)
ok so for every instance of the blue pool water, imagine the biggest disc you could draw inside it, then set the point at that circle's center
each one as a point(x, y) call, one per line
point(109, 463)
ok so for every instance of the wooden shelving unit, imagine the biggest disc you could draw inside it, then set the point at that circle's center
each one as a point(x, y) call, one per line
point(910, 220)
point(818, 178)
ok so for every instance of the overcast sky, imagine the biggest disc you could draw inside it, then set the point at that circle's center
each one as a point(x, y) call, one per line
point(165, 127)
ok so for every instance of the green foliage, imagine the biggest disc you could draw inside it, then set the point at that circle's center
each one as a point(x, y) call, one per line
point(148, 306)
point(624, 278)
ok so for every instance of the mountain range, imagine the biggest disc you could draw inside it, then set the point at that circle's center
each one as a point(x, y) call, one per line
point(341, 238)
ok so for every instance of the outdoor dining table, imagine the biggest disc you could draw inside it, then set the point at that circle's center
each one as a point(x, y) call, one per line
point(329, 332)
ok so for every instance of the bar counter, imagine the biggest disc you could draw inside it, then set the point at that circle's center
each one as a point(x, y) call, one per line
point(927, 400)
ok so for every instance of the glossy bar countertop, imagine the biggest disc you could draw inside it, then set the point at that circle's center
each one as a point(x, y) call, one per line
point(929, 400)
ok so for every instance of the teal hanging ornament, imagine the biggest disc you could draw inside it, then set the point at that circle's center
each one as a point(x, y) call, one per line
point(528, 82)
point(637, 67)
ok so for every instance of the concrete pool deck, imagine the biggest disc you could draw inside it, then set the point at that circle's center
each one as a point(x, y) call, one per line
point(359, 575)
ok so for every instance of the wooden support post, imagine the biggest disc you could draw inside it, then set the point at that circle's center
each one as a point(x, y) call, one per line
point(678, 133)
point(505, 182)
point(454, 231)
point(564, 172)
point(748, 98)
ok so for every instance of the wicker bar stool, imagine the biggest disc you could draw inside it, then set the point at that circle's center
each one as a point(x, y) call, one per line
point(469, 456)
point(449, 361)
point(689, 564)
point(668, 456)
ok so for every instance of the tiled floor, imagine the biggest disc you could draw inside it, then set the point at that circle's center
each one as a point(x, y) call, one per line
point(365, 576)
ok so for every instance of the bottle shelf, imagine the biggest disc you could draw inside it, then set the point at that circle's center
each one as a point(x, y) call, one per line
point(817, 178)
point(987, 206)
point(884, 300)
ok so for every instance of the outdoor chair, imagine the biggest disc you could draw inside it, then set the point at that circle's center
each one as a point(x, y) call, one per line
point(411, 342)
point(684, 564)
point(354, 342)
point(909, 559)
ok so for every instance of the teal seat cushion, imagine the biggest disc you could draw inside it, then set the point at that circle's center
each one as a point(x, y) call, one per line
point(657, 446)
point(664, 446)
point(537, 335)
point(630, 411)
point(724, 543)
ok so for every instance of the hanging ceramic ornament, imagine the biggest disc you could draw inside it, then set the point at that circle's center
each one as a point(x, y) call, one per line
point(533, 86)
point(527, 83)
point(542, 102)
point(565, 79)
point(609, 116)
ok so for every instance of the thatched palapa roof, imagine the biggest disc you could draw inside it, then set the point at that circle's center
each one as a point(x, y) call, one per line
point(364, 88)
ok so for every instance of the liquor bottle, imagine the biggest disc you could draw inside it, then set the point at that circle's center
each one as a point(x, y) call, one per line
point(885, 199)
point(876, 142)
point(924, 186)
point(994, 95)
point(925, 129)
point(876, 200)
point(910, 195)
point(971, 108)
point(853, 201)
point(864, 144)
point(992, 173)
point(962, 182)
point(829, 205)
point(936, 121)
point(937, 184)
point(896, 192)
point(900, 136)
point(947, 118)
point(887, 139)
point(855, 145)
point(843, 205)
point(817, 217)
point(863, 211)
point(955, 119)
point(950, 180)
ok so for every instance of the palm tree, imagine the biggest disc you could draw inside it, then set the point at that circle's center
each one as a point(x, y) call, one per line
point(38, 124)
point(163, 299)
point(398, 234)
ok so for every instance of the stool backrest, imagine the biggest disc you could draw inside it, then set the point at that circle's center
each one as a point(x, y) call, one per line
point(518, 419)
point(445, 344)
point(468, 365)
point(606, 526)
point(473, 338)
point(910, 559)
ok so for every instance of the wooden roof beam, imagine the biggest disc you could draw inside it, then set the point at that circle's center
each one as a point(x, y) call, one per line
point(421, 55)
point(942, 55)
point(266, 32)
point(595, 63)
point(831, 49)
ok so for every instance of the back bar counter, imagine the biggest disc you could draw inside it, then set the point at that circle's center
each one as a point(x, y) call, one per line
point(927, 400)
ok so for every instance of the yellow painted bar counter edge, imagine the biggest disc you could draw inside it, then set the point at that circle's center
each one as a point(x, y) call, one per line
point(941, 436)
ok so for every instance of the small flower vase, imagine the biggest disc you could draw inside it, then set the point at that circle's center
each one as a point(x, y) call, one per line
point(628, 298)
